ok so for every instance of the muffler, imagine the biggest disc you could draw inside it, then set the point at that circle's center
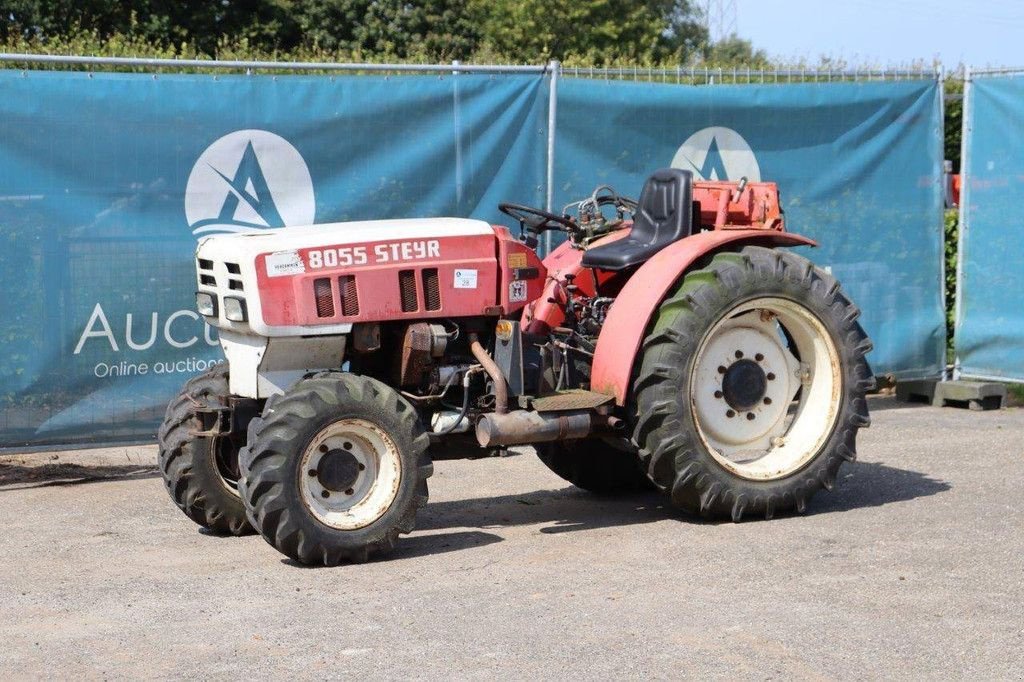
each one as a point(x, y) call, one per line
point(522, 427)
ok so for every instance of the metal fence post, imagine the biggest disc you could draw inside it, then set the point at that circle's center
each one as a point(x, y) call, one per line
point(457, 119)
point(554, 67)
point(940, 77)
point(965, 193)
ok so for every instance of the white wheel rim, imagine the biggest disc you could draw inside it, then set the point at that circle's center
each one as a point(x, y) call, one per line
point(371, 473)
point(227, 479)
point(778, 433)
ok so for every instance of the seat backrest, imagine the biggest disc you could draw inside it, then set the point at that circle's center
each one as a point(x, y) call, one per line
point(664, 212)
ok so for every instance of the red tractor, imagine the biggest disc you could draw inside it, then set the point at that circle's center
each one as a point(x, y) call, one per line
point(666, 343)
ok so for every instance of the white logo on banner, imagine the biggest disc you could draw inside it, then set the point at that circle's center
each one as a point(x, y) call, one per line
point(718, 153)
point(249, 179)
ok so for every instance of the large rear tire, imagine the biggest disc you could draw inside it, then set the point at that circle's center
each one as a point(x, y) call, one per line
point(335, 469)
point(751, 387)
point(595, 466)
point(201, 473)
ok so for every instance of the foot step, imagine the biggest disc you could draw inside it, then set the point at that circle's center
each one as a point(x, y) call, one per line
point(574, 399)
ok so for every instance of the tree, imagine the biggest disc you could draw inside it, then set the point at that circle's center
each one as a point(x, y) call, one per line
point(597, 31)
point(735, 50)
point(435, 29)
point(432, 29)
point(263, 23)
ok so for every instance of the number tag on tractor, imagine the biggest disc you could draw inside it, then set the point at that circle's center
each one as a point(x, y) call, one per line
point(465, 279)
point(285, 263)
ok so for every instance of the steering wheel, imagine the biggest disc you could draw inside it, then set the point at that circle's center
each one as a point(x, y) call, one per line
point(535, 220)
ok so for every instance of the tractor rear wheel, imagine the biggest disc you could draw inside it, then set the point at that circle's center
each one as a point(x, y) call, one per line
point(201, 472)
point(751, 386)
point(594, 465)
point(335, 469)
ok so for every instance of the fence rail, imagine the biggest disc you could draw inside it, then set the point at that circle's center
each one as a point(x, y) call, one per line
point(680, 74)
point(711, 76)
point(239, 65)
point(997, 71)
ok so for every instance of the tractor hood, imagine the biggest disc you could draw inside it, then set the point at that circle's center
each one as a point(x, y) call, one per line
point(288, 281)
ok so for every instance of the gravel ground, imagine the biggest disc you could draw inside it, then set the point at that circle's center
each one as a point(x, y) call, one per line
point(911, 568)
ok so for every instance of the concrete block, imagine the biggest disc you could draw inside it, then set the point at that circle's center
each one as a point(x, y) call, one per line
point(916, 390)
point(975, 395)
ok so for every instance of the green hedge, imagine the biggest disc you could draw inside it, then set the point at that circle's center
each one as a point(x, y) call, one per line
point(954, 87)
point(952, 233)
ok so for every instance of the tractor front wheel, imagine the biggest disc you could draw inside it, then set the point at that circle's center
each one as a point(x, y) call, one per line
point(752, 385)
point(335, 469)
point(201, 472)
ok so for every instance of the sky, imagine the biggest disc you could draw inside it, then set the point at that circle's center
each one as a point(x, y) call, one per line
point(985, 33)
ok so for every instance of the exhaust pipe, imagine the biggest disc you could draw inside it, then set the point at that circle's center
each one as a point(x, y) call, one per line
point(522, 427)
point(493, 371)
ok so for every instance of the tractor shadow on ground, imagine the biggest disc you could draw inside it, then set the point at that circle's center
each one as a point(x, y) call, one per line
point(568, 509)
point(860, 485)
point(882, 403)
point(17, 476)
point(871, 484)
point(412, 546)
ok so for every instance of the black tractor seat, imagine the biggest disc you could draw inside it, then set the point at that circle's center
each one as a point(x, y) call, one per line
point(664, 215)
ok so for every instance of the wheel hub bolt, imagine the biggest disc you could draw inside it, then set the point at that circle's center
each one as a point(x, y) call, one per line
point(767, 400)
point(771, 376)
point(349, 491)
point(759, 357)
point(750, 416)
point(313, 472)
point(739, 354)
point(730, 414)
point(324, 493)
point(718, 394)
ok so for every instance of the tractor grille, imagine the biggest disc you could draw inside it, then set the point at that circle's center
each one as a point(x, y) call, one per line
point(349, 296)
point(234, 284)
point(407, 288)
point(324, 297)
point(431, 289)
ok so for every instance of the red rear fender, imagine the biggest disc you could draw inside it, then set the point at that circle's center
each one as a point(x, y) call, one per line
point(629, 316)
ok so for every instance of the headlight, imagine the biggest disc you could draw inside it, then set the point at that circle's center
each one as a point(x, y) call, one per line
point(234, 309)
point(206, 304)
